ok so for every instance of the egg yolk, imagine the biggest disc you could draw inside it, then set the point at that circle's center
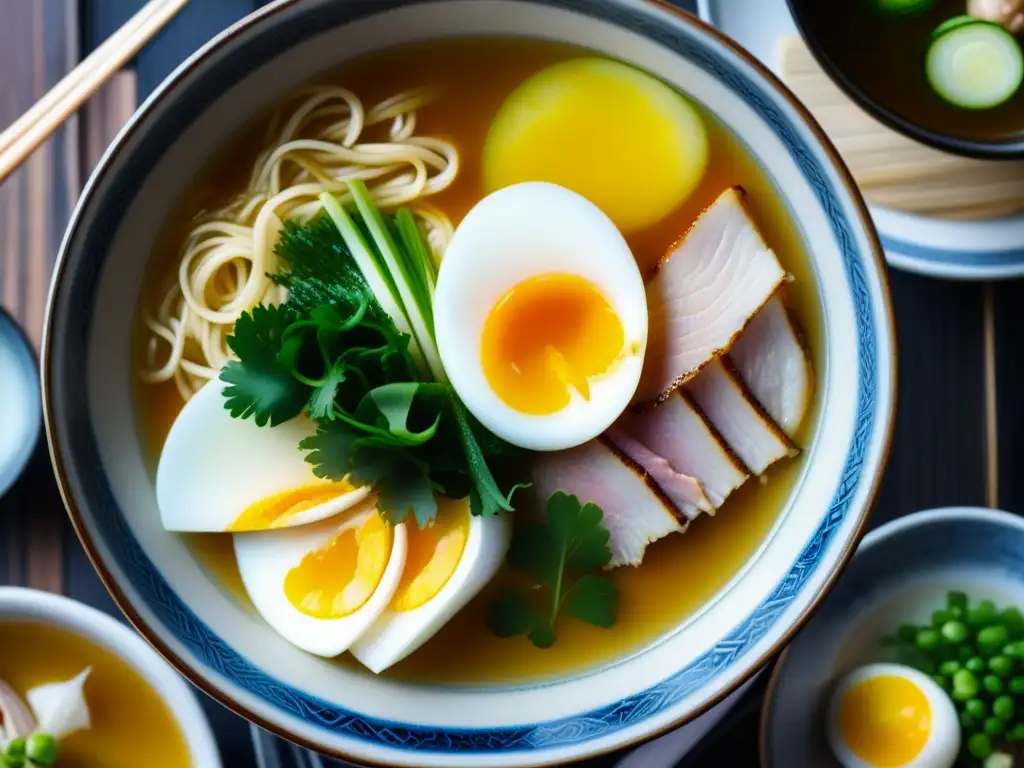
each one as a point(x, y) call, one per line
point(546, 337)
point(339, 578)
point(434, 553)
point(275, 511)
point(624, 140)
point(885, 720)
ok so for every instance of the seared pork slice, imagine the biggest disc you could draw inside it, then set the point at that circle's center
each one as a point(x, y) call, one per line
point(706, 289)
point(739, 419)
point(682, 490)
point(636, 512)
point(772, 362)
point(678, 431)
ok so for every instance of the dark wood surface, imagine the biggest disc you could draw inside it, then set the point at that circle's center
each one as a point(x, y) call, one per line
point(959, 427)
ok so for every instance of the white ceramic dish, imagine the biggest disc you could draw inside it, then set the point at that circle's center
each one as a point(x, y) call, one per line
point(19, 604)
point(900, 574)
point(965, 250)
point(221, 644)
point(20, 410)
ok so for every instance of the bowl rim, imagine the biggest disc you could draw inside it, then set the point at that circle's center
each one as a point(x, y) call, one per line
point(872, 256)
point(20, 459)
point(871, 539)
point(37, 606)
point(976, 148)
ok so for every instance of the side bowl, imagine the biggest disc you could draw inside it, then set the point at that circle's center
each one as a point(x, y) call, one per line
point(20, 604)
point(218, 642)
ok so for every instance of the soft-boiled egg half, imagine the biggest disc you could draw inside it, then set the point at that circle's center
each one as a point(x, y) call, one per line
point(353, 583)
point(541, 317)
point(636, 160)
point(217, 473)
point(892, 716)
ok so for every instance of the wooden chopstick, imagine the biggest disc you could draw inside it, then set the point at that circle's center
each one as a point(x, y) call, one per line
point(30, 130)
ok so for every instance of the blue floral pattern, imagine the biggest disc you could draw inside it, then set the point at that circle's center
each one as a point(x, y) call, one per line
point(222, 659)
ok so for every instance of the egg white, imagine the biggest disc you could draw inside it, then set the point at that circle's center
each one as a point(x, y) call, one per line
point(396, 634)
point(523, 231)
point(943, 744)
point(213, 467)
point(266, 557)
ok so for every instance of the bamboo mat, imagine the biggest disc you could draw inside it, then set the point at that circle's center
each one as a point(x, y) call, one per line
point(892, 170)
point(39, 43)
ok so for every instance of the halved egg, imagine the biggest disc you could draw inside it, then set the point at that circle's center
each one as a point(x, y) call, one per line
point(446, 565)
point(623, 139)
point(892, 716)
point(541, 316)
point(217, 473)
point(322, 585)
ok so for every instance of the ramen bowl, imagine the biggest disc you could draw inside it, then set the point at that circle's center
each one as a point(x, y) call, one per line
point(218, 641)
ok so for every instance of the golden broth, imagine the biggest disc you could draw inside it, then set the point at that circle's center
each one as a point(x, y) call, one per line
point(679, 574)
point(131, 725)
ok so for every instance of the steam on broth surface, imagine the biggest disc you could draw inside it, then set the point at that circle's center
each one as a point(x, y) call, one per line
point(472, 78)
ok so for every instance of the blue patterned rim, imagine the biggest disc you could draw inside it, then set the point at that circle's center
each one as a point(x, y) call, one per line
point(980, 259)
point(67, 337)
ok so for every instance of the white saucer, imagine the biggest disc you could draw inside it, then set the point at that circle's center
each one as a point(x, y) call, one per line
point(964, 250)
point(20, 410)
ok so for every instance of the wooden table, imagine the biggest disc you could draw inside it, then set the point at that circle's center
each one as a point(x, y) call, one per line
point(959, 428)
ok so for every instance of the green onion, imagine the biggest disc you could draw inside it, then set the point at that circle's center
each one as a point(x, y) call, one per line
point(927, 639)
point(981, 614)
point(979, 745)
point(993, 637)
point(954, 631)
point(976, 708)
point(1003, 707)
point(975, 664)
point(1001, 665)
point(994, 726)
point(992, 684)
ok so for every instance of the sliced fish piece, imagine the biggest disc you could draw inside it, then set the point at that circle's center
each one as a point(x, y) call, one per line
point(706, 289)
point(636, 512)
point(740, 420)
point(682, 490)
point(678, 431)
point(772, 361)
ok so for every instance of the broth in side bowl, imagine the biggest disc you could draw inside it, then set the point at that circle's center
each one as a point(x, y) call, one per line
point(470, 80)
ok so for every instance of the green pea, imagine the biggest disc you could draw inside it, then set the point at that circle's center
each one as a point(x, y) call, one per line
point(1001, 665)
point(975, 664)
point(1018, 650)
point(954, 631)
point(1016, 685)
point(1017, 733)
point(965, 685)
point(1003, 707)
point(956, 611)
point(16, 747)
point(976, 708)
point(979, 745)
point(992, 637)
point(1013, 620)
point(994, 726)
point(949, 668)
point(992, 684)
point(940, 617)
point(927, 639)
point(956, 599)
point(981, 614)
point(42, 748)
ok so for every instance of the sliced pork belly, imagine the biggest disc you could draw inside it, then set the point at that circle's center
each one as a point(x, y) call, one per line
point(773, 363)
point(677, 431)
point(636, 512)
point(682, 490)
point(706, 289)
point(743, 424)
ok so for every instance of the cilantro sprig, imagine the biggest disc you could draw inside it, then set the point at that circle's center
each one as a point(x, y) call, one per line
point(332, 352)
point(563, 555)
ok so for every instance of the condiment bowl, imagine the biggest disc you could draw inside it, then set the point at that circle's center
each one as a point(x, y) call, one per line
point(220, 643)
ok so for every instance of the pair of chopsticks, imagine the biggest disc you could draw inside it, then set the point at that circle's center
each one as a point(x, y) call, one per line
point(33, 128)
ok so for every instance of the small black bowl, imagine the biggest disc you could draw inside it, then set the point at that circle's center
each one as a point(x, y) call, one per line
point(811, 16)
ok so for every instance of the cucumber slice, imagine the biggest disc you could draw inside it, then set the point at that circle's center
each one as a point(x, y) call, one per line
point(950, 24)
point(902, 7)
point(975, 66)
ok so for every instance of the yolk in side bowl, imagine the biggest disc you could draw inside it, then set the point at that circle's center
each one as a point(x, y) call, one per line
point(885, 720)
point(545, 338)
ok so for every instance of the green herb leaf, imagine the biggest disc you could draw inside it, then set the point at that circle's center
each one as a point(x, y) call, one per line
point(331, 450)
point(394, 403)
point(260, 383)
point(561, 556)
point(321, 404)
point(595, 600)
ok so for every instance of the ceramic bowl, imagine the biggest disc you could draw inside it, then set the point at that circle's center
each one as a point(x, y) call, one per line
point(901, 573)
point(19, 406)
point(20, 604)
point(221, 644)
